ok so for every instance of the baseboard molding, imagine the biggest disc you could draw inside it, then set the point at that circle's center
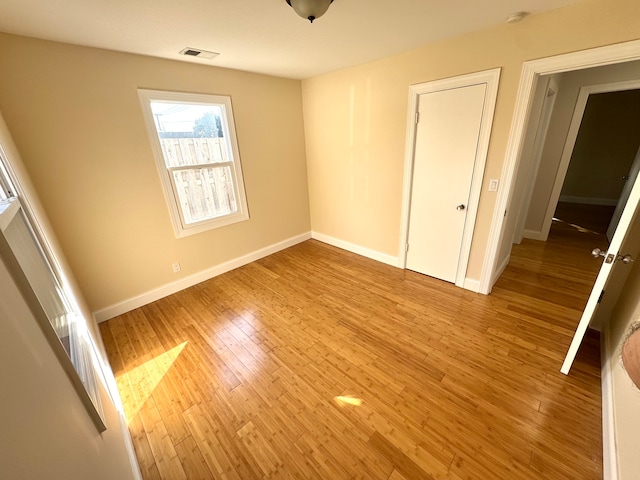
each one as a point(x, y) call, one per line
point(534, 235)
point(353, 248)
point(472, 284)
point(128, 442)
point(500, 269)
point(157, 293)
point(609, 457)
point(589, 200)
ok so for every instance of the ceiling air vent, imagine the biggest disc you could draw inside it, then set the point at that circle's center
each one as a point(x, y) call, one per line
point(194, 52)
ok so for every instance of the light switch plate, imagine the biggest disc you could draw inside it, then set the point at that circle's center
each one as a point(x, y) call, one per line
point(493, 185)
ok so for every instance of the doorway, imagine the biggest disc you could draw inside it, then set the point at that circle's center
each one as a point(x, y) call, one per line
point(601, 170)
point(593, 181)
point(588, 156)
point(498, 249)
point(595, 173)
point(622, 58)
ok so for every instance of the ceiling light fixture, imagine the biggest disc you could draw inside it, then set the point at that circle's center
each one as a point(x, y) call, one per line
point(310, 9)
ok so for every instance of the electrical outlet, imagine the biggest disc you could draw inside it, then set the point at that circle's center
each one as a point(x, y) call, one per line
point(493, 185)
point(175, 267)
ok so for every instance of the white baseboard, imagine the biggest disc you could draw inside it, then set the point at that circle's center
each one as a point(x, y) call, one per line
point(472, 284)
point(609, 457)
point(500, 269)
point(351, 247)
point(157, 293)
point(611, 202)
point(534, 235)
point(128, 442)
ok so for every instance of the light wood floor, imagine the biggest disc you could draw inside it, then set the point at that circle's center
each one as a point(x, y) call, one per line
point(317, 363)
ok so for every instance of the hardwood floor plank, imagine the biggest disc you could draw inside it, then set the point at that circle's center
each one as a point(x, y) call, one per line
point(206, 439)
point(193, 462)
point(162, 447)
point(400, 461)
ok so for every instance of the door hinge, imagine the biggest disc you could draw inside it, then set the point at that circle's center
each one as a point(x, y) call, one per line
point(417, 117)
point(601, 295)
point(406, 247)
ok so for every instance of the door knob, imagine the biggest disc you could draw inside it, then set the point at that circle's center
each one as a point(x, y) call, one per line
point(626, 259)
point(460, 207)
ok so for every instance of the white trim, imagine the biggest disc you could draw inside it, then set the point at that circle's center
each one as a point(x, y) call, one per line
point(609, 448)
point(531, 234)
point(499, 270)
point(623, 52)
point(472, 285)
point(572, 137)
point(353, 248)
point(169, 288)
point(609, 202)
point(491, 79)
point(542, 128)
point(128, 443)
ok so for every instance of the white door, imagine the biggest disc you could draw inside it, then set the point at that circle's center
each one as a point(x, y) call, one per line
point(446, 147)
point(612, 275)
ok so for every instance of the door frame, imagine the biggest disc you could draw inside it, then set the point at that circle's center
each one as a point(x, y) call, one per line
point(541, 129)
point(570, 143)
point(491, 79)
point(531, 72)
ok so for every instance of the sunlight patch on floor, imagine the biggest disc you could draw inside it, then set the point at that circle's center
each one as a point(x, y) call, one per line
point(145, 378)
point(577, 227)
point(348, 400)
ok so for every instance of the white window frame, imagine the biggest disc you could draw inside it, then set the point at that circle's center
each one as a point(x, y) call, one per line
point(181, 228)
point(81, 361)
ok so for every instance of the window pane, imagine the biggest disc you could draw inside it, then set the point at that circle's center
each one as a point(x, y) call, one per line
point(205, 193)
point(181, 152)
point(190, 134)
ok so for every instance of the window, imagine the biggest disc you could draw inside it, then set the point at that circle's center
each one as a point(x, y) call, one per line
point(27, 254)
point(194, 142)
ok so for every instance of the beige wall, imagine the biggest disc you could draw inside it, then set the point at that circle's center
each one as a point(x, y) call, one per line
point(76, 119)
point(42, 405)
point(626, 397)
point(559, 127)
point(46, 431)
point(606, 146)
point(355, 119)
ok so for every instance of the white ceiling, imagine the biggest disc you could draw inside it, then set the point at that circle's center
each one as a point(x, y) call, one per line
point(264, 36)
